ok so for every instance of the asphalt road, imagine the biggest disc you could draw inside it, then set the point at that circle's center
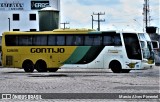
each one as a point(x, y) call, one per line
point(75, 81)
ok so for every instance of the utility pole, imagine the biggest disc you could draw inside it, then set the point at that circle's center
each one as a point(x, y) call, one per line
point(146, 11)
point(65, 24)
point(99, 20)
point(92, 21)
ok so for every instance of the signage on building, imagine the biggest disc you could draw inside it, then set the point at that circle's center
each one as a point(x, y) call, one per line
point(11, 5)
point(37, 4)
point(22, 5)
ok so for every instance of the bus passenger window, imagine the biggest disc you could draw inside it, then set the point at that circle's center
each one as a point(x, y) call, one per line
point(108, 40)
point(88, 41)
point(79, 40)
point(117, 40)
point(40, 40)
point(60, 40)
point(70, 40)
point(11, 40)
point(25, 40)
point(97, 40)
point(73, 40)
point(51, 40)
point(92, 40)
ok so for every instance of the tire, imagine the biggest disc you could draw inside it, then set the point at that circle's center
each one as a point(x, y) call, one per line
point(126, 70)
point(41, 66)
point(115, 67)
point(53, 69)
point(28, 66)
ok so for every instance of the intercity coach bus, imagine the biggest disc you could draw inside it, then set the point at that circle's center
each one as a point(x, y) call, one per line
point(51, 50)
point(148, 47)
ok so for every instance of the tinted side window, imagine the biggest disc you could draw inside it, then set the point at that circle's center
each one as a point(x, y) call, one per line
point(112, 40)
point(40, 40)
point(51, 40)
point(72, 40)
point(79, 40)
point(107, 40)
point(25, 40)
point(117, 40)
point(60, 40)
point(11, 40)
point(92, 40)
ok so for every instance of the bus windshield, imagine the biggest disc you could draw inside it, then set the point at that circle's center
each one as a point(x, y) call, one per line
point(132, 46)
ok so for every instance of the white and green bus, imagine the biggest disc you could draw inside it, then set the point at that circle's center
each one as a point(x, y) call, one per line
point(147, 50)
point(51, 50)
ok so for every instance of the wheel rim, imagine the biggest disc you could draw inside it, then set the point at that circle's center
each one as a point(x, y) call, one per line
point(28, 67)
point(41, 66)
point(116, 67)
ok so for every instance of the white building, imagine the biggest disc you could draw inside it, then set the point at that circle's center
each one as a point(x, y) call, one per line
point(22, 15)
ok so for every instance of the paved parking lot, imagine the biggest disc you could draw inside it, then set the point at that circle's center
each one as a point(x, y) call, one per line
point(80, 81)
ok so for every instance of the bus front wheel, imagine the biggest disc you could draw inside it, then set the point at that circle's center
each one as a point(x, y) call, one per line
point(41, 66)
point(28, 66)
point(115, 67)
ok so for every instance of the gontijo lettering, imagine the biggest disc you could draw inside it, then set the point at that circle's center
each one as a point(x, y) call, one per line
point(47, 50)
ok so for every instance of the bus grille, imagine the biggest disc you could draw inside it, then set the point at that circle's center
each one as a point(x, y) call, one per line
point(9, 60)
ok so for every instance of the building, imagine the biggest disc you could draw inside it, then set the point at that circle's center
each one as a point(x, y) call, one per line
point(22, 15)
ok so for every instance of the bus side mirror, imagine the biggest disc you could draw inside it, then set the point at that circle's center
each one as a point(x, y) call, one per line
point(155, 45)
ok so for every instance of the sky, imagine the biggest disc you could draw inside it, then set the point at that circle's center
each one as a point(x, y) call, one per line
point(123, 15)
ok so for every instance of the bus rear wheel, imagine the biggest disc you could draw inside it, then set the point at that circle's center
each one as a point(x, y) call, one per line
point(53, 69)
point(115, 67)
point(28, 66)
point(41, 66)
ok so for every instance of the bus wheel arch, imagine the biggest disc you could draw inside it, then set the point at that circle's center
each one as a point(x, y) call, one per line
point(41, 66)
point(115, 66)
point(28, 65)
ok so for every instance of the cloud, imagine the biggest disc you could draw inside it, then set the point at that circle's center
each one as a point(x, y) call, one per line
point(98, 2)
point(155, 13)
point(120, 13)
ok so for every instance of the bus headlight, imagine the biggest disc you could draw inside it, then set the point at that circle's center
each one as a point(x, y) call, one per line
point(132, 65)
point(150, 61)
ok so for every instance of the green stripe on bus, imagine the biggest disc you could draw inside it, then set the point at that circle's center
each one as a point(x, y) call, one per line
point(77, 55)
point(91, 55)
